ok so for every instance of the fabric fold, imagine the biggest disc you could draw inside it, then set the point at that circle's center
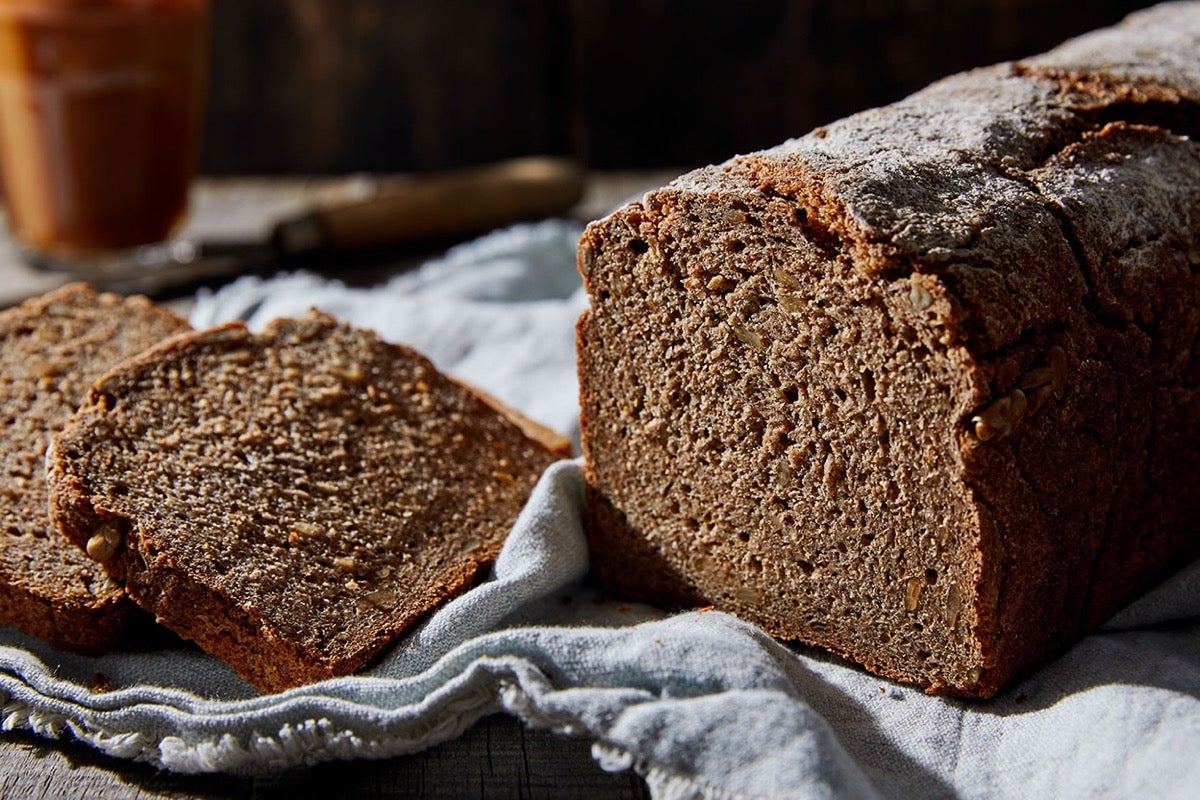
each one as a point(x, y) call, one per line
point(701, 704)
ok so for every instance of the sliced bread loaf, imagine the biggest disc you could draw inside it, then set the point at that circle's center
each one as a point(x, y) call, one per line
point(51, 350)
point(919, 387)
point(291, 500)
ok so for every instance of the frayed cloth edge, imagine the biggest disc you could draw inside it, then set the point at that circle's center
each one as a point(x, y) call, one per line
point(664, 784)
point(306, 743)
point(317, 740)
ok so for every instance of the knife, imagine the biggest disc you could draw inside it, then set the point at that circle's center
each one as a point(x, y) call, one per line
point(437, 207)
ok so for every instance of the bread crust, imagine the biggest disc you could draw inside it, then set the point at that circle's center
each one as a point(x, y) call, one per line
point(293, 500)
point(52, 347)
point(928, 373)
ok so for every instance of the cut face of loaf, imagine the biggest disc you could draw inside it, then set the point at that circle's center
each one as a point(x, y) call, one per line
point(919, 387)
point(293, 500)
point(51, 349)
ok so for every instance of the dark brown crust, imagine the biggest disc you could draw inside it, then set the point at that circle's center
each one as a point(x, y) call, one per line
point(62, 341)
point(88, 630)
point(549, 438)
point(958, 243)
point(337, 489)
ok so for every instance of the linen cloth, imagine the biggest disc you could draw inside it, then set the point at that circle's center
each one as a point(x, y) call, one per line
point(701, 704)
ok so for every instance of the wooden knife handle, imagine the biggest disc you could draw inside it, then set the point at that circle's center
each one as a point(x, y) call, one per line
point(457, 203)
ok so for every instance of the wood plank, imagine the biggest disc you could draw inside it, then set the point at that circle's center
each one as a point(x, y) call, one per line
point(304, 86)
point(233, 208)
point(325, 86)
point(663, 82)
point(497, 758)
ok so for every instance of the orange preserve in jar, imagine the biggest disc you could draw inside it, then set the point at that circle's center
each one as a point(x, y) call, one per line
point(100, 112)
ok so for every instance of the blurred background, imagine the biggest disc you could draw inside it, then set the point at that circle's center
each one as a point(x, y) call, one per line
point(336, 86)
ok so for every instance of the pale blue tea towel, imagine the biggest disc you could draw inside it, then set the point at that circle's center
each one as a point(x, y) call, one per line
point(700, 704)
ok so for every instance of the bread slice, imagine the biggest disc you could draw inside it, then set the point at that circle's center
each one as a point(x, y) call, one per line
point(919, 387)
point(293, 500)
point(51, 350)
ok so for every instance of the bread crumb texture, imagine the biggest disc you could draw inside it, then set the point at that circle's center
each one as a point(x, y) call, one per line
point(293, 500)
point(51, 349)
point(919, 388)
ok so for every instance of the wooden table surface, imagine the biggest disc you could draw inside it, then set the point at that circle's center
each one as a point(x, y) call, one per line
point(244, 210)
point(496, 758)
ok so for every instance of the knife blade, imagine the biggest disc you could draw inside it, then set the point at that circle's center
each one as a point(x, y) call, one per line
point(437, 207)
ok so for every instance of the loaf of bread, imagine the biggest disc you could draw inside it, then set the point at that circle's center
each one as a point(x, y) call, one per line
point(919, 387)
point(291, 500)
point(51, 349)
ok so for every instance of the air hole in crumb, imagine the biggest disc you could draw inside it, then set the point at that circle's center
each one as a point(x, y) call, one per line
point(735, 246)
point(862, 507)
point(743, 537)
point(791, 394)
point(639, 246)
point(867, 538)
point(923, 654)
point(805, 566)
point(868, 382)
point(692, 523)
point(840, 394)
point(931, 576)
point(800, 215)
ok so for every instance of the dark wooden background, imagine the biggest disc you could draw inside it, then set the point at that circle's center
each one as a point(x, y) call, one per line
point(334, 86)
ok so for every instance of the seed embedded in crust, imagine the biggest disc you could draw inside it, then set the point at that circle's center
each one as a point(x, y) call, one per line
point(919, 296)
point(748, 336)
point(1001, 417)
point(305, 529)
point(350, 373)
point(381, 598)
point(1053, 375)
point(912, 592)
point(106, 541)
point(1040, 383)
point(1036, 378)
